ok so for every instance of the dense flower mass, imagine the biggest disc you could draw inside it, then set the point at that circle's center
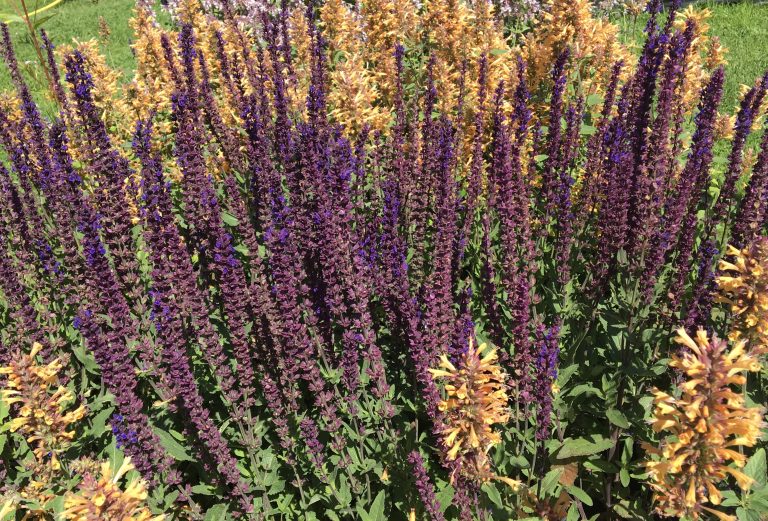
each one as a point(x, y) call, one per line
point(744, 287)
point(707, 426)
point(256, 268)
point(101, 497)
point(476, 400)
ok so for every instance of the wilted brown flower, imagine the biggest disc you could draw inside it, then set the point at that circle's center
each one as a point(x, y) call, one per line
point(704, 425)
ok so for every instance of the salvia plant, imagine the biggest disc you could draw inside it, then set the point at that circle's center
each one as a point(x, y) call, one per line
point(227, 290)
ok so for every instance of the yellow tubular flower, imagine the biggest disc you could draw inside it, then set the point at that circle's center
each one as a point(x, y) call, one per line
point(744, 287)
point(353, 93)
point(476, 399)
point(704, 426)
point(704, 56)
point(594, 45)
point(103, 498)
point(41, 416)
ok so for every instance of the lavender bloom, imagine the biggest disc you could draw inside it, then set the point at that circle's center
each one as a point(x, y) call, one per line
point(119, 377)
point(683, 211)
point(700, 305)
point(749, 109)
point(310, 434)
point(21, 309)
point(420, 200)
point(187, 400)
point(439, 317)
point(53, 68)
point(752, 210)
point(107, 165)
point(593, 168)
point(546, 374)
point(550, 177)
point(474, 177)
point(425, 487)
point(659, 160)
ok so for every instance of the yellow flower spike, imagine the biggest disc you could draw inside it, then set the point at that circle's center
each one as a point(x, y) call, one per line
point(103, 498)
point(743, 286)
point(477, 400)
point(707, 418)
point(41, 417)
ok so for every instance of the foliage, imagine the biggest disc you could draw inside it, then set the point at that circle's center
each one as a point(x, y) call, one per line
point(267, 302)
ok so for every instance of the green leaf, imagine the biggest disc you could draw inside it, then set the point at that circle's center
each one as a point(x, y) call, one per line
point(11, 18)
point(173, 447)
point(580, 494)
point(376, 513)
point(756, 468)
point(203, 489)
point(99, 421)
point(594, 99)
point(216, 513)
point(229, 219)
point(617, 418)
point(493, 494)
point(572, 448)
point(744, 514)
point(550, 479)
point(40, 21)
point(445, 496)
point(624, 477)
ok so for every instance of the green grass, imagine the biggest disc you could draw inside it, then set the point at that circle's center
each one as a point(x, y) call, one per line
point(742, 28)
point(73, 19)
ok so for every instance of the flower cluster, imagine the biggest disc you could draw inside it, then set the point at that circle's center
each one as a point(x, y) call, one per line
point(706, 426)
point(42, 410)
point(476, 400)
point(272, 257)
point(744, 287)
point(103, 497)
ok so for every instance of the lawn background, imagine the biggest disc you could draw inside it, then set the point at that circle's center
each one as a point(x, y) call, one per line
point(742, 28)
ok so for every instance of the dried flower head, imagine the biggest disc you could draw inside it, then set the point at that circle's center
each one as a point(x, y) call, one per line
point(744, 286)
point(704, 425)
point(103, 498)
point(476, 400)
point(42, 416)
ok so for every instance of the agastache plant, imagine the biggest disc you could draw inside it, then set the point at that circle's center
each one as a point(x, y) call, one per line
point(278, 312)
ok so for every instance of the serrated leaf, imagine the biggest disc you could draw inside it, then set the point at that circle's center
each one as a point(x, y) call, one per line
point(493, 494)
point(216, 513)
point(573, 448)
point(617, 418)
point(100, 420)
point(756, 467)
